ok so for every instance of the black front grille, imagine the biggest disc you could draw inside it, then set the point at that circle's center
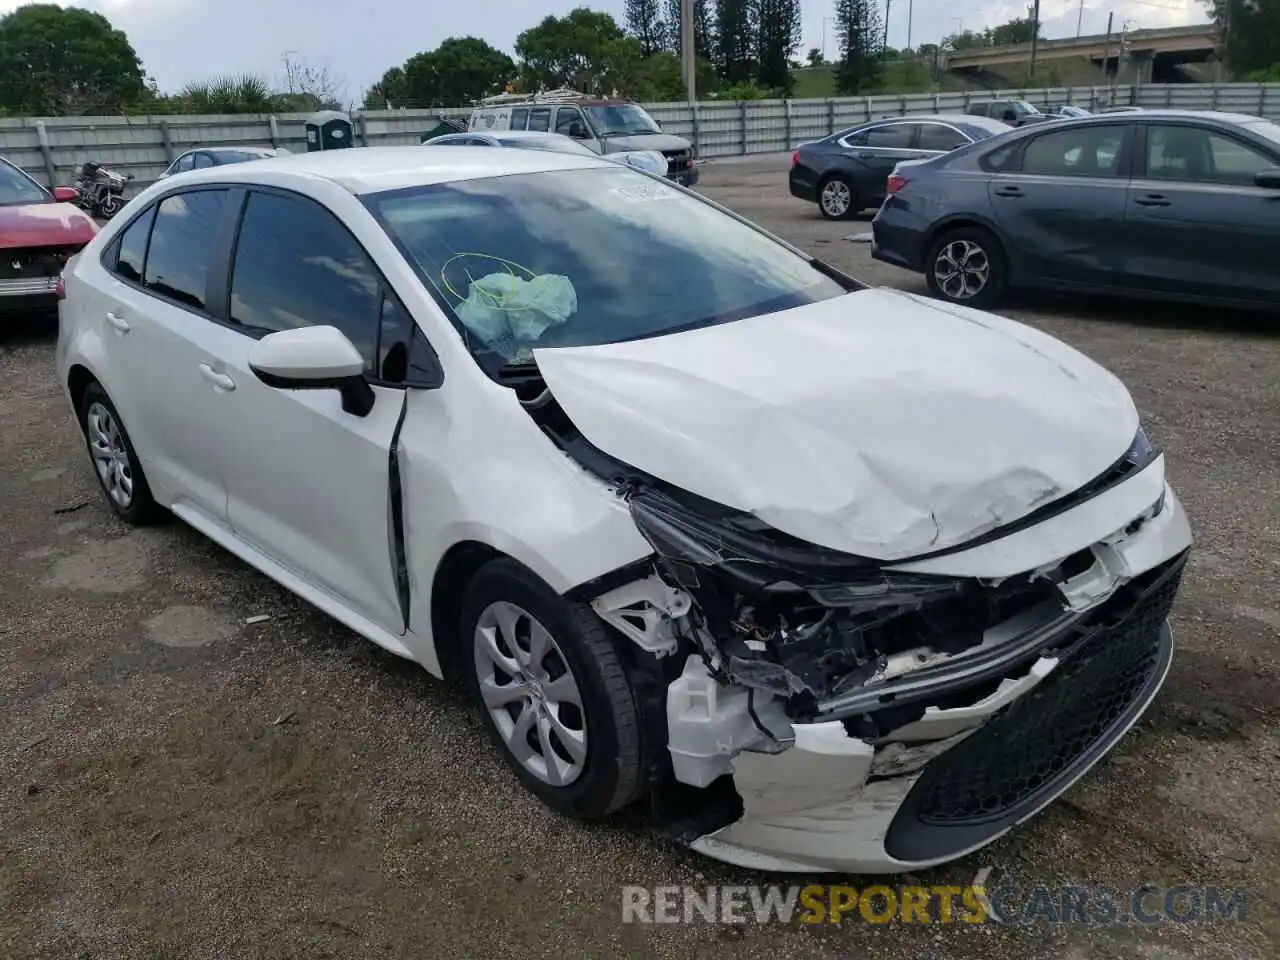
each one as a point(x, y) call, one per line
point(678, 161)
point(1000, 773)
point(29, 263)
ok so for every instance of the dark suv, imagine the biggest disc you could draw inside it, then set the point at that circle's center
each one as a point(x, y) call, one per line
point(1016, 113)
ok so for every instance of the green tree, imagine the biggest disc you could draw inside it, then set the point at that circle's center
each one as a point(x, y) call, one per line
point(66, 62)
point(660, 79)
point(644, 20)
point(585, 49)
point(1017, 30)
point(392, 89)
point(861, 38)
point(704, 29)
point(777, 38)
point(1252, 33)
point(736, 43)
point(813, 58)
point(964, 40)
point(458, 72)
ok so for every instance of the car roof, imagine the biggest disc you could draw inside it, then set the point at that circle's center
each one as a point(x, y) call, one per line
point(1209, 116)
point(362, 170)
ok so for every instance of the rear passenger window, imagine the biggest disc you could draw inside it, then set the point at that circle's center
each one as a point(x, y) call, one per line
point(297, 266)
point(182, 242)
point(540, 119)
point(934, 136)
point(519, 117)
point(132, 251)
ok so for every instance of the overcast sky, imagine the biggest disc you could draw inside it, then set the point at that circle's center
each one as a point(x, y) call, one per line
point(185, 40)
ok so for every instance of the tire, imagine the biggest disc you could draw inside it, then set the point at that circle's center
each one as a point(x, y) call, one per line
point(844, 199)
point(111, 205)
point(114, 460)
point(981, 281)
point(504, 599)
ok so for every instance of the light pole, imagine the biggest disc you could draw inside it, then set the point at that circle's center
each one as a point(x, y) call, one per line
point(687, 54)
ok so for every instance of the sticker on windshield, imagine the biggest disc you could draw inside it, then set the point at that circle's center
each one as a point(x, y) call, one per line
point(644, 192)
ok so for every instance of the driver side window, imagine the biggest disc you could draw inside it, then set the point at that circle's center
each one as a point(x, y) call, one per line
point(185, 163)
point(566, 118)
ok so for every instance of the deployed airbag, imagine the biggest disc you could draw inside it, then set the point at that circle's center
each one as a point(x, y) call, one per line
point(508, 312)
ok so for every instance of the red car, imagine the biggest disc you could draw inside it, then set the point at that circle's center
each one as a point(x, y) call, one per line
point(39, 231)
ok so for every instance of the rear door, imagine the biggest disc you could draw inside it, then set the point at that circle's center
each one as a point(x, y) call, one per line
point(1059, 203)
point(1195, 222)
point(874, 152)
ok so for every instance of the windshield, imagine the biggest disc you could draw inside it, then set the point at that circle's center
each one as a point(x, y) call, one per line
point(553, 144)
point(621, 119)
point(1022, 108)
point(1266, 128)
point(17, 189)
point(585, 257)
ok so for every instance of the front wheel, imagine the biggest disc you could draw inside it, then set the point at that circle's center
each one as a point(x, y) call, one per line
point(966, 266)
point(552, 692)
point(112, 204)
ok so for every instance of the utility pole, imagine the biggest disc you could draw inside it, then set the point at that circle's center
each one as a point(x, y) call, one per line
point(1106, 51)
point(688, 56)
point(1080, 20)
point(911, 15)
point(1035, 35)
point(884, 49)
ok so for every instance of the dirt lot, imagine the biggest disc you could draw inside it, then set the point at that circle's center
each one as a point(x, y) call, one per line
point(179, 783)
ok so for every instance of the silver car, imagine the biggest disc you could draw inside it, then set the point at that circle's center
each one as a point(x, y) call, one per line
point(204, 157)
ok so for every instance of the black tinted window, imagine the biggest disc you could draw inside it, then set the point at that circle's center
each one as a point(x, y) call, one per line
point(1090, 151)
point(565, 118)
point(519, 117)
point(203, 160)
point(297, 266)
point(1194, 155)
point(935, 136)
point(895, 136)
point(133, 247)
point(182, 242)
point(404, 355)
point(540, 118)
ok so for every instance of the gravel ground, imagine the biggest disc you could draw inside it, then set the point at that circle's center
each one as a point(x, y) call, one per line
point(179, 783)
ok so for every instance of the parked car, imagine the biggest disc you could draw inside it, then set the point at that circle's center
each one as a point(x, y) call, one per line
point(650, 161)
point(39, 231)
point(218, 156)
point(1016, 113)
point(845, 173)
point(604, 125)
point(1163, 203)
point(1066, 111)
point(834, 581)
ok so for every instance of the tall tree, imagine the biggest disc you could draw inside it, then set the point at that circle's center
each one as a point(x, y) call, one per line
point(1017, 30)
point(584, 48)
point(704, 28)
point(644, 20)
point(861, 37)
point(63, 62)
point(1251, 30)
point(736, 32)
point(777, 39)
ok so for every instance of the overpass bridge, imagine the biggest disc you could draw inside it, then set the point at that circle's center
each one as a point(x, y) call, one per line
point(1152, 52)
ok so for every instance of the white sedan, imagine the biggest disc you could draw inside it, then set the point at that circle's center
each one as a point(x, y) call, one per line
point(839, 578)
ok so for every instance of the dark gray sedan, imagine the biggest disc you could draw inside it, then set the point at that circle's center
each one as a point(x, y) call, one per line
point(846, 172)
point(1164, 203)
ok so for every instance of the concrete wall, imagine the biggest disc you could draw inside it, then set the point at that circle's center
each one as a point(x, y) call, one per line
point(51, 149)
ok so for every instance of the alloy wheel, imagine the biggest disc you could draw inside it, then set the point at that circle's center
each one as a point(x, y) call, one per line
point(836, 198)
point(962, 269)
point(110, 455)
point(528, 688)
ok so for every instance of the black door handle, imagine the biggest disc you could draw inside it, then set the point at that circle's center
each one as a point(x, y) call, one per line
point(1151, 200)
point(1009, 192)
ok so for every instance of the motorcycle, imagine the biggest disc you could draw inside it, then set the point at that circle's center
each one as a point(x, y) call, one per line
point(101, 190)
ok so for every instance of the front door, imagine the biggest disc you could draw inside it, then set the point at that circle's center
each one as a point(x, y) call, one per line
point(1059, 203)
point(1196, 223)
point(311, 485)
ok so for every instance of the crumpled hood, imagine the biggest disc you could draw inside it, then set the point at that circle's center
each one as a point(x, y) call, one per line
point(879, 423)
point(645, 141)
point(44, 225)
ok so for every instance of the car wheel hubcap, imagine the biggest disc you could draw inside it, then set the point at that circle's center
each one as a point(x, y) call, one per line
point(110, 457)
point(836, 198)
point(962, 269)
point(530, 692)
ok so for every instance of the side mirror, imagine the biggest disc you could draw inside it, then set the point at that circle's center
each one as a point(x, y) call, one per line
point(650, 161)
point(314, 358)
point(578, 130)
point(65, 194)
point(1269, 179)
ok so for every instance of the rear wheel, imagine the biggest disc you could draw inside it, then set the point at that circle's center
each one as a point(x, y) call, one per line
point(836, 198)
point(114, 460)
point(552, 692)
point(966, 266)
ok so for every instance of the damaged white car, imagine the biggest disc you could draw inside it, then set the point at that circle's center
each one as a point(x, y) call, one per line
point(831, 577)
